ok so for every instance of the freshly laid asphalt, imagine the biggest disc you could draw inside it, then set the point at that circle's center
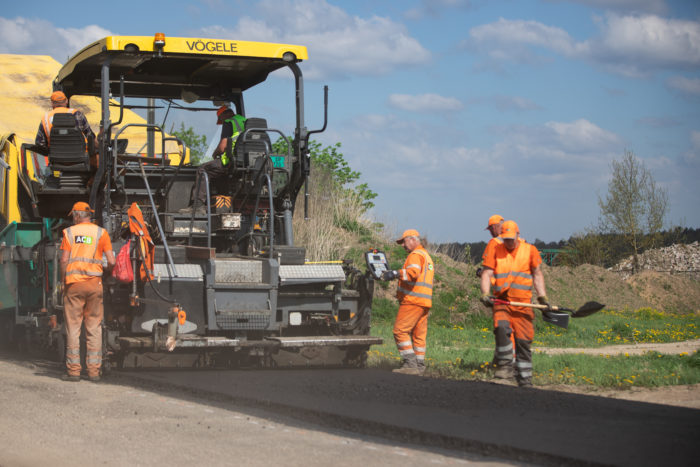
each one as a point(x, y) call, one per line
point(522, 424)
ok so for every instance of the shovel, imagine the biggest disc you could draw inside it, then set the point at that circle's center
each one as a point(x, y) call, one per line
point(554, 314)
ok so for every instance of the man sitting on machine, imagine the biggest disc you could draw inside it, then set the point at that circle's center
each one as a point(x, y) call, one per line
point(59, 104)
point(232, 126)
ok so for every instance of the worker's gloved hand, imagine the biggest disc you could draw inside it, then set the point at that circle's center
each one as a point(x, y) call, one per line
point(543, 300)
point(479, 271)
point(486, 300)
point(390, 275)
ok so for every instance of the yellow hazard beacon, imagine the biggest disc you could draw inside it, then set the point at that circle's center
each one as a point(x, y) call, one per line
point(221, 283)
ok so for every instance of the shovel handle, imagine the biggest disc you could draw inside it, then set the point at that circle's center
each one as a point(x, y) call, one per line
point(498, 301)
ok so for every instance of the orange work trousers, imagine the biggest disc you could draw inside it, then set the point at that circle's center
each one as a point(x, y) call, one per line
point(83, 305)
point(513, 325)
point(411, 330)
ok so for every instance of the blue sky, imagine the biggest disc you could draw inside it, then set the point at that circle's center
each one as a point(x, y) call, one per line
point(454, 110)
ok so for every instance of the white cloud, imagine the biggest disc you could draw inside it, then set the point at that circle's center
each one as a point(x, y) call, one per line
point(20, 36)
point(333, 37)
point(685, 85)
point(506, 103)
point(628, 6)
point(435, 8)
point(582, 135)
point(629, 45)
point(692, 157)
point(424, 103)
point(505, 39)
point(640, 44)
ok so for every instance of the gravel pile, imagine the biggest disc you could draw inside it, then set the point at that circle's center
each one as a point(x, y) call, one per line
point(674, 259)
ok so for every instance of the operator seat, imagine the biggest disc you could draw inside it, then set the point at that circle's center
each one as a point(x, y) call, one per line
point(69, 151)
point(252, 146)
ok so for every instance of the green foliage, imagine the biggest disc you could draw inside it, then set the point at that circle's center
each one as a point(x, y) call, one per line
point(635, 206)
point(586, 248)
point(196, 143)
point(329, 159)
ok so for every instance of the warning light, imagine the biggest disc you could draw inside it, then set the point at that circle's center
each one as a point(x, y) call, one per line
point(159, 40)
point(181, 317)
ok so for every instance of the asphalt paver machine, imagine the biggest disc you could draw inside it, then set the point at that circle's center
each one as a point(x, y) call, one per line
point(227, 285)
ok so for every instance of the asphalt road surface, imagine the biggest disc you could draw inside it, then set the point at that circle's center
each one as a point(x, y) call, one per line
point(323, 417)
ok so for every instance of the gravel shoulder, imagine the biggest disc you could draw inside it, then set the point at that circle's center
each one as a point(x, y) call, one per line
point(632, 349)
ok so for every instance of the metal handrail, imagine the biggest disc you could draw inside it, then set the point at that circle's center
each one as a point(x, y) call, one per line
point(172, 272)
point(194, 208)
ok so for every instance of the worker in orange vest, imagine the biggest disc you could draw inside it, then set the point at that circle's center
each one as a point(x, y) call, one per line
point(414, 292)
point(494, 227)
point(59, 104)
point(515, 266)
point(83, 246)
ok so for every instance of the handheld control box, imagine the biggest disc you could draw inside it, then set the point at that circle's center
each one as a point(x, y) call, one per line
point(376, 263)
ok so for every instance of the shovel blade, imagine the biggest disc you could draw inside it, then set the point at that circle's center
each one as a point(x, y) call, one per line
point(556, 318)
point(587, 309)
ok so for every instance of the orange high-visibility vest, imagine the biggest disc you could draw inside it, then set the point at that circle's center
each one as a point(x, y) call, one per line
point(420, 291)
point(84, 262)
point(512, 273)
point(47, 121)
point(490, 246)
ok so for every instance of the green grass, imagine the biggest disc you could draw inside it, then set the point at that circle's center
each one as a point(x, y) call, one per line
point(464, 349)
point(610, 327)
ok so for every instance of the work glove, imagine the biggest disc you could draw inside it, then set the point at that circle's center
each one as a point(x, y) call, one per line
point(486, 300)
point(479, 271)
point(390, 275)
point(543, 300)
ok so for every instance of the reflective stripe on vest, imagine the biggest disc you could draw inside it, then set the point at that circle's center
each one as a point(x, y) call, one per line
point(419, 292)
point(84, 262)
point(238, 125)
point(47, 121)
point(512, 273)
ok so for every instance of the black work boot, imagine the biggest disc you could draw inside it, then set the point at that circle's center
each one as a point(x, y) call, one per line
point(409, 366)
point(504, 371)
point(525, 382)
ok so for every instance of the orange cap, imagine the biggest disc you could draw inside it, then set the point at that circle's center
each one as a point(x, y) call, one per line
point(220, 112)
point(58, 97)
point(509, 230)
point(495, 219)
point(408, 233)
point(81, 206)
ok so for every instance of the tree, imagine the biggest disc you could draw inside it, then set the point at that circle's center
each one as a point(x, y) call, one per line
point(635, 206)
point(196, 143)
point(332, 161)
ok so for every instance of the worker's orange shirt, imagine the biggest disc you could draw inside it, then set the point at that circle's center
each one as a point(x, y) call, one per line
point(490, 246)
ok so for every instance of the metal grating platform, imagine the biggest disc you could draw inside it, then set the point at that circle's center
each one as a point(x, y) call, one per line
point(236, 272)
point(309, 273)
point(243, 320)
point(192, 271)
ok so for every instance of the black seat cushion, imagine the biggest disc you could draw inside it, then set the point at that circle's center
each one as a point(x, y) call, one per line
point(67, 148)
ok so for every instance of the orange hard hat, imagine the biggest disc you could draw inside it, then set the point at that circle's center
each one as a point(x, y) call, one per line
point(495, 219)
point(408, 233)
point(222, 110)
point(509, 230)
point(58, 97)
point(81, 206)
